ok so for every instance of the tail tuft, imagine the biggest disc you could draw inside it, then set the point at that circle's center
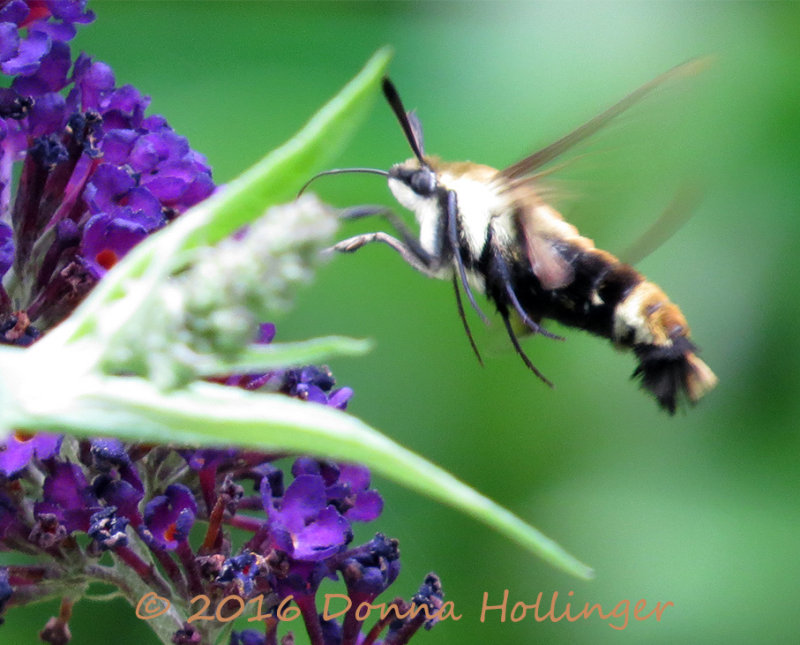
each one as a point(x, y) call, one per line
point(672, 372)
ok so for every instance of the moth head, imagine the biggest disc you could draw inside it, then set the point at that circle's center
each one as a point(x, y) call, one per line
point(412, 183)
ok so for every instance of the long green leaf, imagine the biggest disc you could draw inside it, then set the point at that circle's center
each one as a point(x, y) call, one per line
point(207, 414)
point(260, 358)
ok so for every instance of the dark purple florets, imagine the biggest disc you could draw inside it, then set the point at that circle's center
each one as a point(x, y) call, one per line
point(97, 175)
point(310, 383)
point(108, 529)
point(300, 532)
point(168, 518)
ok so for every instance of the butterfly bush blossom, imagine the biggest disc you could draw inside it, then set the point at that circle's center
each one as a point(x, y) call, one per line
point(84, 176)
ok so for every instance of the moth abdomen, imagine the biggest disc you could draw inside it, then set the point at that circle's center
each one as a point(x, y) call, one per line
point(609, 298)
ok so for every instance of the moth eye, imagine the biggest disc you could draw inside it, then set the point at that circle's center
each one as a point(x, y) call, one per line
point(423, 182)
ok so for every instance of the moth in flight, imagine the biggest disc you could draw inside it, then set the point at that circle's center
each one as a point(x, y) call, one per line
point(491, 231)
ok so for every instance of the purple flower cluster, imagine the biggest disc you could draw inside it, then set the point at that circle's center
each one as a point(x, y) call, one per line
point(299, 534)
point(96, 176)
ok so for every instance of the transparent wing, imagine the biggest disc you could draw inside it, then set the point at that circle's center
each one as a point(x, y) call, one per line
point(547, 154)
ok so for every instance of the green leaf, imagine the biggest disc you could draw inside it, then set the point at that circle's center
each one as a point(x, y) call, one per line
point(260, 358)
point(205, 414)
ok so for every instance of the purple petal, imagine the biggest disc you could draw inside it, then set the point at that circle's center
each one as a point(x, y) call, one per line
point(201, 187)
point(15, 11)
point(46, 445)
point(107, 239)
point(355, 475)
point(108, 186)
point(125, 105)
point(52, 71)
point(305, 466)
point(266, 333)
point(9, 41)
point(368, 506)
point(67, 495)
point(66, 487)
point(121, 494)
point(6, 248)
point(169, 517)
point(29, 55)
point(71, 10)
point(117, 145)
point(95, 81)
point(57, 31)
point(48, 114)
point(18, 450)
point(14, 456)
point(339, 398)
point(303, 500)
point(323, 537)
point(311, 393)
point(155, 148)
point(146, 208)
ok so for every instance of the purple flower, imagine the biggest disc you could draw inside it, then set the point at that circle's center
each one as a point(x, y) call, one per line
point(241, 571)
point(314, 383)
point(168, 518)
point(108, 529)
point(25, 55)
point(303, 523)
point(310, 383)
point(247, 637)
point(68, 498)
point(97, 175)
point(18, 450)
point(346, 487)
point(303, 539)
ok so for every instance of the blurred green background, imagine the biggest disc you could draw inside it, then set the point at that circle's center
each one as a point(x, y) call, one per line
point(699, 510)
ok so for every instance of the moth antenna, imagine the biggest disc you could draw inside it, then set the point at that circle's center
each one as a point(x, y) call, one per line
point(416, 128)
point(393, 98)
point(463, 317)
point(341, 171)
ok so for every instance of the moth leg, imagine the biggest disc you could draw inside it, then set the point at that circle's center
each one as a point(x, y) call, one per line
point(500, 265)
point(414, 255)
point(519, 350)
point(461, 315)
point(451, 208)
point(532, 324)
point(371, 210)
